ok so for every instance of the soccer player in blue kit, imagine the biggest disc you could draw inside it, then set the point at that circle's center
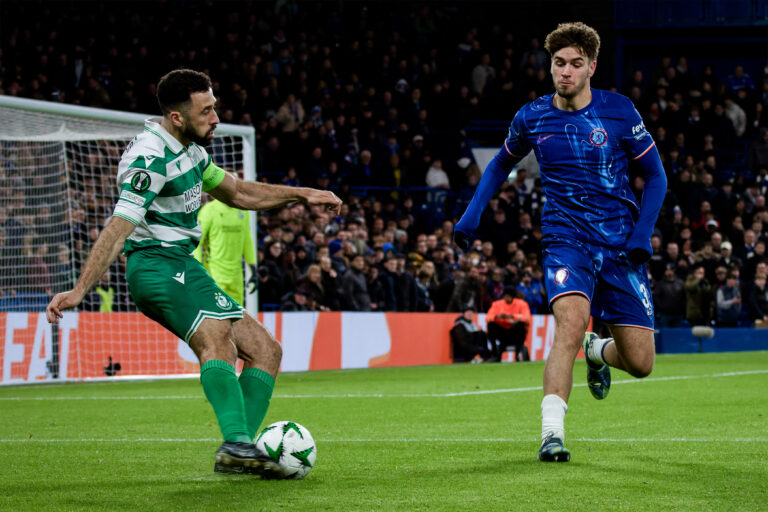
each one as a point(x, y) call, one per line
point(597, 237)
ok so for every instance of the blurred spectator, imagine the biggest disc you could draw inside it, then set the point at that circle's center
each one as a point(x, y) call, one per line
point(468, 341)
point(311, 284)
point(355, 287)
point(388, 280)
point(669, 296)
point(469, 291)
point(425, 282)
point(728, 302)
point(533, 291)
point(758, 301)
point(272, 280)
point(331, 284)
point(758, 152)
point(296, 300)
point(698, 298)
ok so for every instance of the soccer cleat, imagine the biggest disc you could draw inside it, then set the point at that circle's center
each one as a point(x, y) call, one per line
point(552, 450)
point(598, 375)
point(245, 458)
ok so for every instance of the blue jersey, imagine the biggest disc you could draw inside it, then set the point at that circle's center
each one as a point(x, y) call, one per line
point(584, 158)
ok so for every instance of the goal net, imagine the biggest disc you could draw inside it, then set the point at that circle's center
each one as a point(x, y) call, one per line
point(58, 167)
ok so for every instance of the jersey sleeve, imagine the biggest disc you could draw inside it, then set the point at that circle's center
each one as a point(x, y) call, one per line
point(140, 179)
point(213, 175)
point(635, 137)
point(516, 144)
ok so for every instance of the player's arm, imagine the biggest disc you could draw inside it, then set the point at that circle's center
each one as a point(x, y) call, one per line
point(497, 171)
point(652, 170)
point(251, 195)
point(103, 253)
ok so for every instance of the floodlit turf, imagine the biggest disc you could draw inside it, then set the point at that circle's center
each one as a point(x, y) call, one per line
point(693, 436)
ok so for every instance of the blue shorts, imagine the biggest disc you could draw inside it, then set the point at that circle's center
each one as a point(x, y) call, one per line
point(618, 289)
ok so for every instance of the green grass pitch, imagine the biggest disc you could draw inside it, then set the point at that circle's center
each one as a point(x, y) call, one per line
point(692, 436)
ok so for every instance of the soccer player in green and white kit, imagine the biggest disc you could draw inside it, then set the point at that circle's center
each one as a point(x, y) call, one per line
point(225, 242)
point(162, 175)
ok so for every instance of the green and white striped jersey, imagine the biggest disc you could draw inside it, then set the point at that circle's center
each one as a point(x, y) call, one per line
point(161, 184)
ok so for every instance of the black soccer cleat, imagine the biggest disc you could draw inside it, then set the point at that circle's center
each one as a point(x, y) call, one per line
point(234, 457)
point(598, 375)
point(246, 458)
point(552, 450)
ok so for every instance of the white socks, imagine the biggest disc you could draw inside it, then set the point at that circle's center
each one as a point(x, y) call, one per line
point(596, 350)
point(553, 409)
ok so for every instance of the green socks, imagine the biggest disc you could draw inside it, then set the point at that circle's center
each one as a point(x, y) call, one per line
point(257, 388)
point(220, 386)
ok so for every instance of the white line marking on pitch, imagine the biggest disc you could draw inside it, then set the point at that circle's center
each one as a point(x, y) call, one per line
point(387, 395)
point(406, 440)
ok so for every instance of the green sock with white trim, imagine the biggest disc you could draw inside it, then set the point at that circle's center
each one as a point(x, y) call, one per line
point(257, 386)
point(222, 391)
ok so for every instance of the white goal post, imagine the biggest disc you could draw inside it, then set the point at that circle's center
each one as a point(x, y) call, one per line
point(58, 168)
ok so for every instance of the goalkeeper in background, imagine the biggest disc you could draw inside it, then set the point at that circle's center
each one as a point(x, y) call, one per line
point(161, 176)
point(225, 242)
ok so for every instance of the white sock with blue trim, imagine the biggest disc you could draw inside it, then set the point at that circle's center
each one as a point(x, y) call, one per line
point(596, 350)
point(553, 409)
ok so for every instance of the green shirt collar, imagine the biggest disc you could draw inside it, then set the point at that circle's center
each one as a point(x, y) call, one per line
point(153, 125)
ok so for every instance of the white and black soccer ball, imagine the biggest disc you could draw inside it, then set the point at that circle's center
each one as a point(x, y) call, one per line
point(291, 446)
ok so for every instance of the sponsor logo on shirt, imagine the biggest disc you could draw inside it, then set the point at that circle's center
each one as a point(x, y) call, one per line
point(192, 198)
point(598, 137)
point(129, 196)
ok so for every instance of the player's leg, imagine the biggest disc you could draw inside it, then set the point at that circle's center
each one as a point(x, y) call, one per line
point(633, 350)
point(261, 354)
point(571, 320)
point(212, 342)
point(628, 308)
point(571, 271)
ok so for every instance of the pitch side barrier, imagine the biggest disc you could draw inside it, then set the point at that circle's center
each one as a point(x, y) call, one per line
point(33, 350)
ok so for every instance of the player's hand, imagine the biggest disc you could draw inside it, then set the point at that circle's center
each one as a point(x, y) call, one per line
point(253, 283)
point(326, 198)
point(462, 239)
point(638, 256)
point(60, 302)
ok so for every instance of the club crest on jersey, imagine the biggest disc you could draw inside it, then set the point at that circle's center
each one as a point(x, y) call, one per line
point(223, 301)
point(561, 276)
point(598, 137)
point(140, 181)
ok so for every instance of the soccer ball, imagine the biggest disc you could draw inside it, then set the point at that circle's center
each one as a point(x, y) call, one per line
point(291, 446)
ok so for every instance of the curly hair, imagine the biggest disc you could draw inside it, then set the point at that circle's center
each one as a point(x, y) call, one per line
point(174, 88)
point(576, 34)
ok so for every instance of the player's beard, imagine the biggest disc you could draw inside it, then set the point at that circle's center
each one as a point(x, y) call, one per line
point(574, 91)
point(190, 134)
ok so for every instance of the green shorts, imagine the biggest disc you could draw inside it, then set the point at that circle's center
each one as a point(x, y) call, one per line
point(172, 288)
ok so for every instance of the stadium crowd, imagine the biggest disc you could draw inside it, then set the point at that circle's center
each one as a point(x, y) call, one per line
point(375, 107)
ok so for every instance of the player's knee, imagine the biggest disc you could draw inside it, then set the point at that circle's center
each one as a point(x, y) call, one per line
point(641, 369)
point(277, 350)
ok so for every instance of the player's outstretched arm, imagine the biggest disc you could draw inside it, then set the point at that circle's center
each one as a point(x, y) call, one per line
point(103, 253)
point(495, 174)
point(251, 195)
